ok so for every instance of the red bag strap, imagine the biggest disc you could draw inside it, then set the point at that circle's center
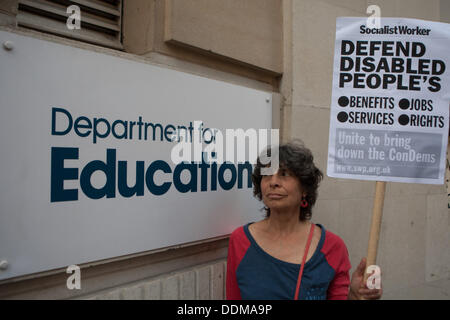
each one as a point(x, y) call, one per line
point(308, 243)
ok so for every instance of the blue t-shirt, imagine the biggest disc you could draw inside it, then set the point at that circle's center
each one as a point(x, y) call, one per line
point(254, 274)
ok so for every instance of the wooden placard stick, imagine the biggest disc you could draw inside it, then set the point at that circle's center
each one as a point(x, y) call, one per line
point(375, 226)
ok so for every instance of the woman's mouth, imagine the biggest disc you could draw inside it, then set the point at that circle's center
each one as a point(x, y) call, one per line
point(275, 196)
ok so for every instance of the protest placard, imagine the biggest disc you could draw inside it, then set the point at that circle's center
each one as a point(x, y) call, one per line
point(390, 101)
point(389, 117)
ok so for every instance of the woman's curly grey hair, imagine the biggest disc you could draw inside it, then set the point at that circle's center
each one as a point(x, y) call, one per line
point(298, 159)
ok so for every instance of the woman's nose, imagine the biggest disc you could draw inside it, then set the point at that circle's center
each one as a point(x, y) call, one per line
point(274, 180)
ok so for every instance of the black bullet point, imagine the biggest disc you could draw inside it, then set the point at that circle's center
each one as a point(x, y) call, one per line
point(342, 116)
point(403, 119)
point(403, 104)
point(343, 101)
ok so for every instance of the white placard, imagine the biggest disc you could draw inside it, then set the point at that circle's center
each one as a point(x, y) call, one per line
point(86, 171)
point(390, 102)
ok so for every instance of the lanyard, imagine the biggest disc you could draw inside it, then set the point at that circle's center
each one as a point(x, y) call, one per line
point(305, 254)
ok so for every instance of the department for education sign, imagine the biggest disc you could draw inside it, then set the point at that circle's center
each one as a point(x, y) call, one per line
point(390, 101)
point(85, 165)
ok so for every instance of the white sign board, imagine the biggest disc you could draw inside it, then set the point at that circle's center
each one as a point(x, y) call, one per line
point(86, 171)
point(390, 101)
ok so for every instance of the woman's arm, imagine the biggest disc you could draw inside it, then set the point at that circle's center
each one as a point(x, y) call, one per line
point(232, 289)
point(337, 257)
point(237, 248)
point(338, 289)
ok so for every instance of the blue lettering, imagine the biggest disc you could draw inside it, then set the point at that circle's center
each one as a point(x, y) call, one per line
point(96, 132)
point(204, 173)
point(109, 168)
point(77, 126)
point(59, 174)
point(241, 167)
point(124, 134)
point(138, 188)
point(230, 184)
point(168, 132)
point(69, 117)
point(192, 185)
point(152, 187)
point(214, 176)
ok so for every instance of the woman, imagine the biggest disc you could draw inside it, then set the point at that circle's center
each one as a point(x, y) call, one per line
point(265, 258)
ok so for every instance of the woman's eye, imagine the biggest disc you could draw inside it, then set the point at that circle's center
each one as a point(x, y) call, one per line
point(285, 173)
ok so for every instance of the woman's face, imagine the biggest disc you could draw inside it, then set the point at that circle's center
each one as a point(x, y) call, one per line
point(281, 190)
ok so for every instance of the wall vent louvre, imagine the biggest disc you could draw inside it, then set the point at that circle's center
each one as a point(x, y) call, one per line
point(100, 19)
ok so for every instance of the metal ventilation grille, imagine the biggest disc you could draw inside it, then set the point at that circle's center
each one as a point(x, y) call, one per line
point(100, 19)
